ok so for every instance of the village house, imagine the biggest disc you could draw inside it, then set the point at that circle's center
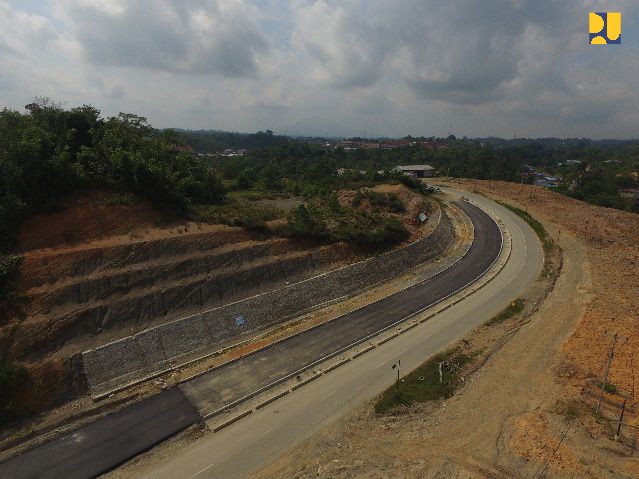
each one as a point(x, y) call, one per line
point(632, 193)
point(418, 171)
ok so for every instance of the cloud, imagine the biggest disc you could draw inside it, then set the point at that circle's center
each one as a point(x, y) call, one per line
point(185, 36)
point(341, 47)
point(329, 67)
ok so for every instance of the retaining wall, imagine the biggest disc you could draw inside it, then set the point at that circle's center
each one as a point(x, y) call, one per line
point(171, 344)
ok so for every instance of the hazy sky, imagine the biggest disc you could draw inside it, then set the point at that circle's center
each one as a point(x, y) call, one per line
point(347, 67)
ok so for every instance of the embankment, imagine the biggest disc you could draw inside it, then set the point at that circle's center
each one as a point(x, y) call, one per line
point(170, 344)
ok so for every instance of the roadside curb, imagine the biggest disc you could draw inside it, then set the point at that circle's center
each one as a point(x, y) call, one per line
point(232, 420)
point(272, 399)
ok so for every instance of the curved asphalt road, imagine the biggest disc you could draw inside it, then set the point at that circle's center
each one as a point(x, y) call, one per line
point(214, 391)
point(114, 439)
point(255, 441)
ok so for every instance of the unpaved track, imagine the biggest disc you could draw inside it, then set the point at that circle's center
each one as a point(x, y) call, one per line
point(478, 426)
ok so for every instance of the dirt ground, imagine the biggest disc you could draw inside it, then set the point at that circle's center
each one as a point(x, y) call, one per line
point(528, 412)
point(90, 216)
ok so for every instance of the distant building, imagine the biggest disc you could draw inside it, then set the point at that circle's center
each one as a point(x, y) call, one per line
point(349, 145)
point(546, 183)
point(394, 144)
point(419, 171)
point(629, 193)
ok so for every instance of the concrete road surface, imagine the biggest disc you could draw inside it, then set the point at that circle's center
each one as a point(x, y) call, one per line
point(244, 447)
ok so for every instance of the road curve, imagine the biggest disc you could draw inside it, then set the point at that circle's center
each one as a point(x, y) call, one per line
point(214, 391)
point(108, 442)
point(255, 441)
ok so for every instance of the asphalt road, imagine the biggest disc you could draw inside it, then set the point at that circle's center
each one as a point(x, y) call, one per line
point(216, 390)
point(109, 441)
point(255, 441)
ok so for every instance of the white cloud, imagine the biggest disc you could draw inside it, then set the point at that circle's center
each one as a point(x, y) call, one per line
point(187, 36)
point(330, 67)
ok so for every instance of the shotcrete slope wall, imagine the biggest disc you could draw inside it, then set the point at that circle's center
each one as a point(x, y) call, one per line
point(173, 343)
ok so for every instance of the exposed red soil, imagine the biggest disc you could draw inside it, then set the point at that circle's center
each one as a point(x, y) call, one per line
point(88, 216)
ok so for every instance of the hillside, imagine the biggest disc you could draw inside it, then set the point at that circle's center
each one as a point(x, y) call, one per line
point(103, 265)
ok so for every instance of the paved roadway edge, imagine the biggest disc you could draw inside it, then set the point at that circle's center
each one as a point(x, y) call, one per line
point(502, 259)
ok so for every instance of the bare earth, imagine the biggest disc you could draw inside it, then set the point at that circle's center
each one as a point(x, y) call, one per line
point(528, 412)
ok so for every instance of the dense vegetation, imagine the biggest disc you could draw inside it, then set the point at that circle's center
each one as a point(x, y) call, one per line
point(49, 152)
point(588, 170)
point(213, 141)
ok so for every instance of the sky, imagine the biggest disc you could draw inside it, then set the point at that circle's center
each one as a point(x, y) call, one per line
point(371, 68)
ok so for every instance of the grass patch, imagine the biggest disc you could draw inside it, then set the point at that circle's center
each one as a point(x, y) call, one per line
point(119, 200)
point(543, 235)
point(515, 307)
point(235, 213)
point(569, 409)
point(607, 387)
point(423, 384)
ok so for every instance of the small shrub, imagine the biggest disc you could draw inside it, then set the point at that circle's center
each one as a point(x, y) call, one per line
point(515, 307)
point(251, 222)
point(12, 377)
point(307, 222)
point(10, 266)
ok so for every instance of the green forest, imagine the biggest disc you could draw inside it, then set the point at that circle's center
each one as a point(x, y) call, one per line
point(48, 152)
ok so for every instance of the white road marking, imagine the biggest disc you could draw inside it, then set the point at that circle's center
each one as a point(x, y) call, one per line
point(205, 469)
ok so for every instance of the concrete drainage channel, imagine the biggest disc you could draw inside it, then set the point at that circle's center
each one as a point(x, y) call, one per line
point(245, 406)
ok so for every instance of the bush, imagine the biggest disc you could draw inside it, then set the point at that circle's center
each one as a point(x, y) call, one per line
point(10, 266)
point(12, 378)
point(389, 201)
point(251, 222)
point(307, 222)
point(370, 231)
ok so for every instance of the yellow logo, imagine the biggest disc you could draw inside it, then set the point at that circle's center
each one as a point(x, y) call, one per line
point(605, 28)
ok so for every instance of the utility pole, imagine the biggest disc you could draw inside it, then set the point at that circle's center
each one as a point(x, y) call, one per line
point(606, 371)
point(399, 363)
point(623, 408)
